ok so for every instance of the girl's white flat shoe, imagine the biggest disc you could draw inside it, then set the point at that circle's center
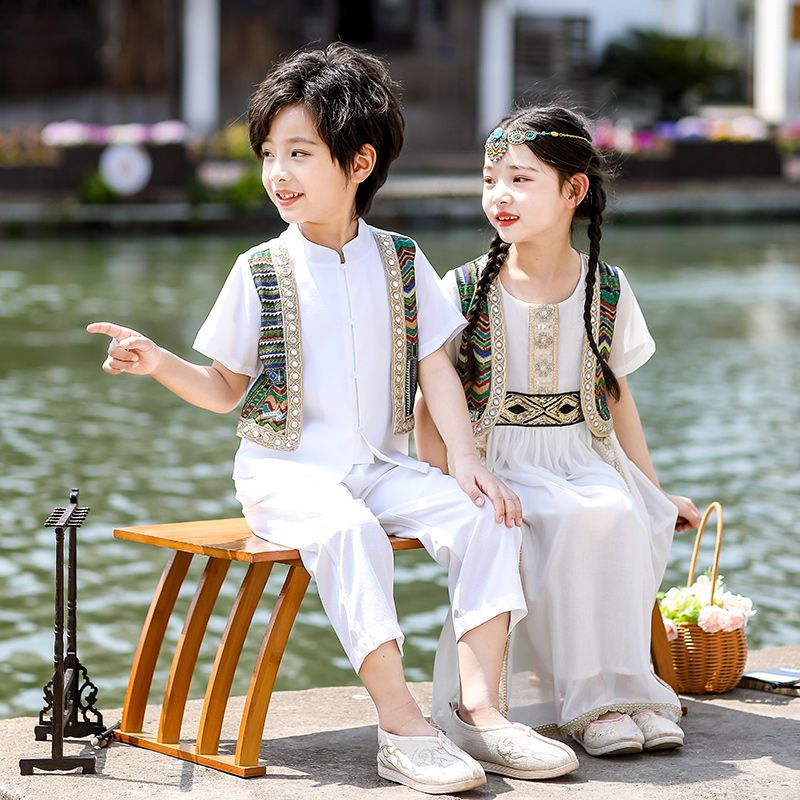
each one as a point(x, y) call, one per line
point(660, 733)
point(611, 737)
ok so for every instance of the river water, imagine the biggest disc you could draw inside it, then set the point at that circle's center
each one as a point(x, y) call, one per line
point(720, 402)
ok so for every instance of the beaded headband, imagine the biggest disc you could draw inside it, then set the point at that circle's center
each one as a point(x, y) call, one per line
point(498, 141)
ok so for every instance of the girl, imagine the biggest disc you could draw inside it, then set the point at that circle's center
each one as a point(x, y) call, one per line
point(552, 334)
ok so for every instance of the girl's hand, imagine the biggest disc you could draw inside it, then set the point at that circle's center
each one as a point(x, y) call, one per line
point(128, 350)
point(477, 481)
point(688, 515)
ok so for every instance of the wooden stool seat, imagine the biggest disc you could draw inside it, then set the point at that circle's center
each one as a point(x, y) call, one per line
point(223, 541)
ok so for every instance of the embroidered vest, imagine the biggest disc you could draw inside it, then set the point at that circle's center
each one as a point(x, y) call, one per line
point(272, 414)
point(485, 389)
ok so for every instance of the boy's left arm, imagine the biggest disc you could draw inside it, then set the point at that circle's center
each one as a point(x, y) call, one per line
point(444, 398)
point(630, 433)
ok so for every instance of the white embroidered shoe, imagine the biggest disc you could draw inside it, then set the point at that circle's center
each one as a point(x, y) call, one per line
point(429, 764)
point(660, 733)
point(611, 737)
point(513, 749)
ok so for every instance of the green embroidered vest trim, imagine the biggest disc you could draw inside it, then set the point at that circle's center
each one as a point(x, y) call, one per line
point(272, 412)
point(484, 387)
point(398, 253)
point(594, 398)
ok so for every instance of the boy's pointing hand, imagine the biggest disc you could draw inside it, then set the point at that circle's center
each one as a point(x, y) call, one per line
point(128, 350)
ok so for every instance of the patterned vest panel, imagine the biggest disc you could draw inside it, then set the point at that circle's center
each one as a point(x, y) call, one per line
point(272, 413)
point(484, 381)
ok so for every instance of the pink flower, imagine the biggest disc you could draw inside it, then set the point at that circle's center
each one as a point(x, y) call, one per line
point(712, 618)
point(737, 604)
point(671, 628)
point(734, 621)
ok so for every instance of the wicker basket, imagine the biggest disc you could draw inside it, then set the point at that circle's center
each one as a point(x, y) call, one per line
point(708, 662)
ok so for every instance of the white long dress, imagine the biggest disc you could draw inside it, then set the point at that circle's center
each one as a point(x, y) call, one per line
point(595, 543)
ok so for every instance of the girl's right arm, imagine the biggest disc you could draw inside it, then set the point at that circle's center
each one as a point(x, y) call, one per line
point(212, 387)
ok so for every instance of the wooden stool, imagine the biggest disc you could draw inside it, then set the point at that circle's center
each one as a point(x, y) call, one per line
point(223, 541)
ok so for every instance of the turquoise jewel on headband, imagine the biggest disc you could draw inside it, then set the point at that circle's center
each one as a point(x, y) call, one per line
point(498, 141)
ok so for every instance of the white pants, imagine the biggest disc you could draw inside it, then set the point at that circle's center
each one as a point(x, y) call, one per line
point(340, 530)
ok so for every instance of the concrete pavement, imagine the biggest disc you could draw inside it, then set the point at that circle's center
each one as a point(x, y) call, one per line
point(320, 744)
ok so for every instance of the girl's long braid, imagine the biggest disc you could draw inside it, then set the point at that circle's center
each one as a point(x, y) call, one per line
point(595, 205)
point(496, 257)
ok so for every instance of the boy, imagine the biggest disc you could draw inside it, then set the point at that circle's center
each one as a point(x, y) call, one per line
point(329, 328)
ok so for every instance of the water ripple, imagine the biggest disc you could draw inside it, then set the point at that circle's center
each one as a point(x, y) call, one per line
point(719, 401)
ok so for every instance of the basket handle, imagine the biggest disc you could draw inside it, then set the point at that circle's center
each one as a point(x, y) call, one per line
point(715, 506)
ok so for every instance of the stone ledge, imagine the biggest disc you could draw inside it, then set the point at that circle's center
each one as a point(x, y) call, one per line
point(739, 746)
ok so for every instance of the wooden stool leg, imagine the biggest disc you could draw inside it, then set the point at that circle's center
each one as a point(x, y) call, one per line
point(661, 651)
point(254, 716)
point(185, 658)
point(230, 648)
point(151, 639)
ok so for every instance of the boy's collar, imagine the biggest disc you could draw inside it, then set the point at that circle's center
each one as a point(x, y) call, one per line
point(316, 254)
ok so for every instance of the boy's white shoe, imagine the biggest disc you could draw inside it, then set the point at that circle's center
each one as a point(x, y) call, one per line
point(430, 764)
point(660, 733)
point(611, 737)
point(513, 749)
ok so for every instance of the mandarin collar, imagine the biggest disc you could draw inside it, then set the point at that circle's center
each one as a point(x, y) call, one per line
point(318, 255)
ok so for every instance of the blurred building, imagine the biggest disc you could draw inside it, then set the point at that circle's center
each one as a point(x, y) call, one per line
point(111, 61)
point(551, 45)
point(462, 63)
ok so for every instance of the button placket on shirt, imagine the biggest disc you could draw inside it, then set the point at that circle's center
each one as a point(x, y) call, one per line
point(351, 323)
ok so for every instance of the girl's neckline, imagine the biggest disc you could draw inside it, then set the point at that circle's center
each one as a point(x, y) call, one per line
point(578, 285)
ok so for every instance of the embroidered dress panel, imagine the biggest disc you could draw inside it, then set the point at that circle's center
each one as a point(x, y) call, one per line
point(484, 385)
point(543, 348)
point(540, 410)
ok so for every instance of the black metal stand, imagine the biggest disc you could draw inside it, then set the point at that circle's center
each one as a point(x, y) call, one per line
point(70, 695)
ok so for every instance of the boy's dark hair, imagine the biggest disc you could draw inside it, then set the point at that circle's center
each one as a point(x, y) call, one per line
point(351, 98)
point(568, 157)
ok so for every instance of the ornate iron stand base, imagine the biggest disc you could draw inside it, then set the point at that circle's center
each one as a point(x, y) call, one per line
point(70, 695)
point(86, 763)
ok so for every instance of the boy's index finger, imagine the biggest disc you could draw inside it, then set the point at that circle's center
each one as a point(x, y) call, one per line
point(110, 329)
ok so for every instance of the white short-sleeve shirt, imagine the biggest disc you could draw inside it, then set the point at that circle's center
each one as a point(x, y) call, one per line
point(346, 341)
point(632, 344)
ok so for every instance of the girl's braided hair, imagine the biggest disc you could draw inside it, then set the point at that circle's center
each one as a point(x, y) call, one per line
point(567, 156)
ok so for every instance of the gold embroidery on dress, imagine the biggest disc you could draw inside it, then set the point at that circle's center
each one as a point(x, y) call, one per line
point(579, 723)
point(543, 348)
point(541, 410)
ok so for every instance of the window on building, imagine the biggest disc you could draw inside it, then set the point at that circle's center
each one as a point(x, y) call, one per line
point(550, 53)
